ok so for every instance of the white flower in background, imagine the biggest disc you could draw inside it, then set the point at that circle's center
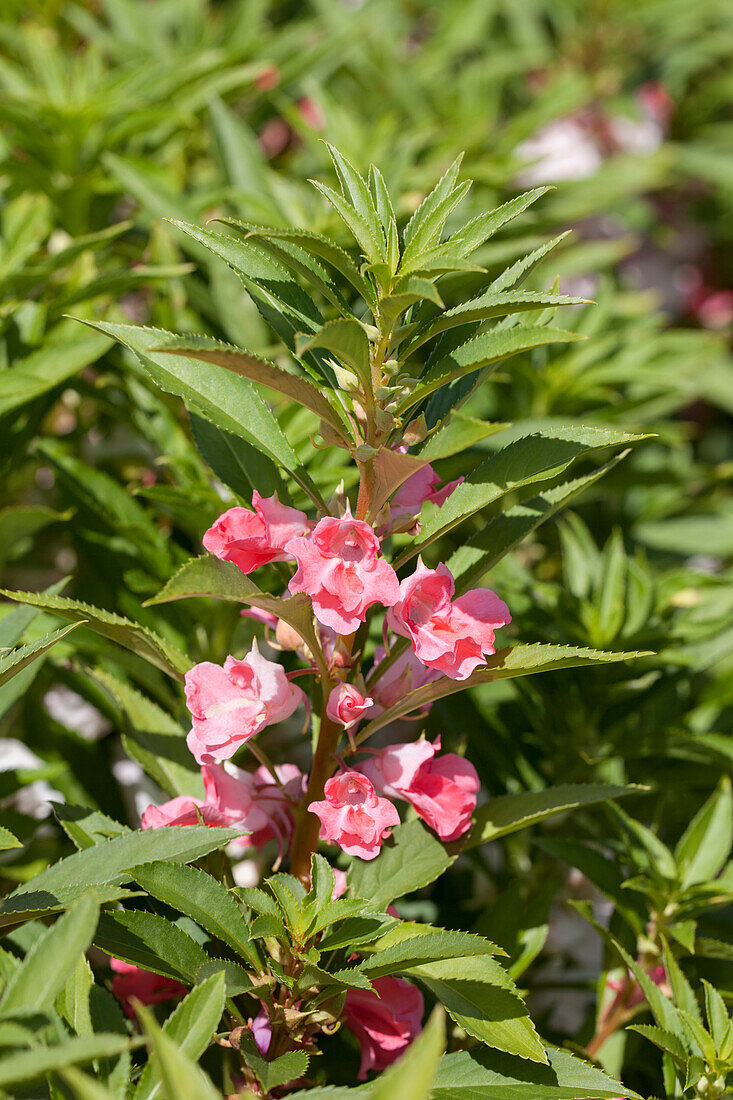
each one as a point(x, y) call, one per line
point(561, 150)
point(74, 712)
point(138, 791)
point(33, 799)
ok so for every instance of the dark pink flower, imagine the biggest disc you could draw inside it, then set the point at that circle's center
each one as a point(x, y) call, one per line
point(346, 705)
point(231, 704)
point(340, 567)
point(420, 488)
point(385, 1022)
point(442, 789)
point(150, 989)
point(251, 539)
point(353, 816)
point(404, 675)
point(261, 1030)
point(452, 636)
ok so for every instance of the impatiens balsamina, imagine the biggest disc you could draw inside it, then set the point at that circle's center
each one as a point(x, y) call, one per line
point(358, 628)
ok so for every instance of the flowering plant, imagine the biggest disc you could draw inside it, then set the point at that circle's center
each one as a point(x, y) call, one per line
point(291, 938)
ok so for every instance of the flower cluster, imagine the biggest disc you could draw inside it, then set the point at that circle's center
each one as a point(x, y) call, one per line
point(430, 637)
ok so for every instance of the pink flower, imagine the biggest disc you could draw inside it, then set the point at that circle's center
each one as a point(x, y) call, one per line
point(255, 802)
point(630, 992)
point(442, 789)
point(150, 989)
point(261, 1030)
point(274, 803)
point(385, 1022)
point(339, 883)
point(353, 816)
point(251, 539)
point(420, 488)
point(452, 636)
point(340, 568)
point(404, 675)
point(231, 704)
point(346, 705)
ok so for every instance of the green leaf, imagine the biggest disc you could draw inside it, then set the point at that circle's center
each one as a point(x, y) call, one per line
point(520, 660)
point(152, 942)
point(509, 813)
point(665, 1040)
point(490, 304)
point(424, 949)
point(228, 401)
point(236, 978)
point(83, 1087)
point(354, 222)
point(346, 339)
point(153, 738)
point(14, 662)
point(481, 997)
point(140, 639)
point(201, 897)
point(273, 1074)
point(20, 908)
point(706, 843)
point(482, 351)
point(209, 576)
point(313, 243)
point(235, 461)
point(428, 221)
point(85, 827)
point(73, 1000)
point(110, 863)
point(489, 1075)
point(7, 840)
point(354, 187)
point(479, 229)
point(411, 859)
point(459, 434)
point(191, 1026)
point(717, 1014)
point(204, 349)
point(411, 1077)
point(29, 1065)
point(62, 356)
point(524, 462)
point(178, 1073)
point(36, 983)
point(501, 534)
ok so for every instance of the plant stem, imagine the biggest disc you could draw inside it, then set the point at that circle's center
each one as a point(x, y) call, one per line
point(307, 826)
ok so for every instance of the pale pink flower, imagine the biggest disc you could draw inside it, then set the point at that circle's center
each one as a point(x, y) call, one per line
point(628, 990)
point(353, 816)
point(231, 704)
point(346, 705)
point(340, 568)
point(150, 989)
point(420, 488)
point(339, 883)
point(385, 1021)
point(442, 789)
point(256, 802)
point(405, 674)
point(275, 804)
point(251, 539)
point(452, 636)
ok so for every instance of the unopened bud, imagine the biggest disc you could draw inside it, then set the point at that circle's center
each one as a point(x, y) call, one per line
point(384, 420)
point(365, 453)
point(346, 379)
point(415, 431)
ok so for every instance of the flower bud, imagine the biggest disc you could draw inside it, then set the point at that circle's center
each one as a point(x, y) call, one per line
point(415, 431)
